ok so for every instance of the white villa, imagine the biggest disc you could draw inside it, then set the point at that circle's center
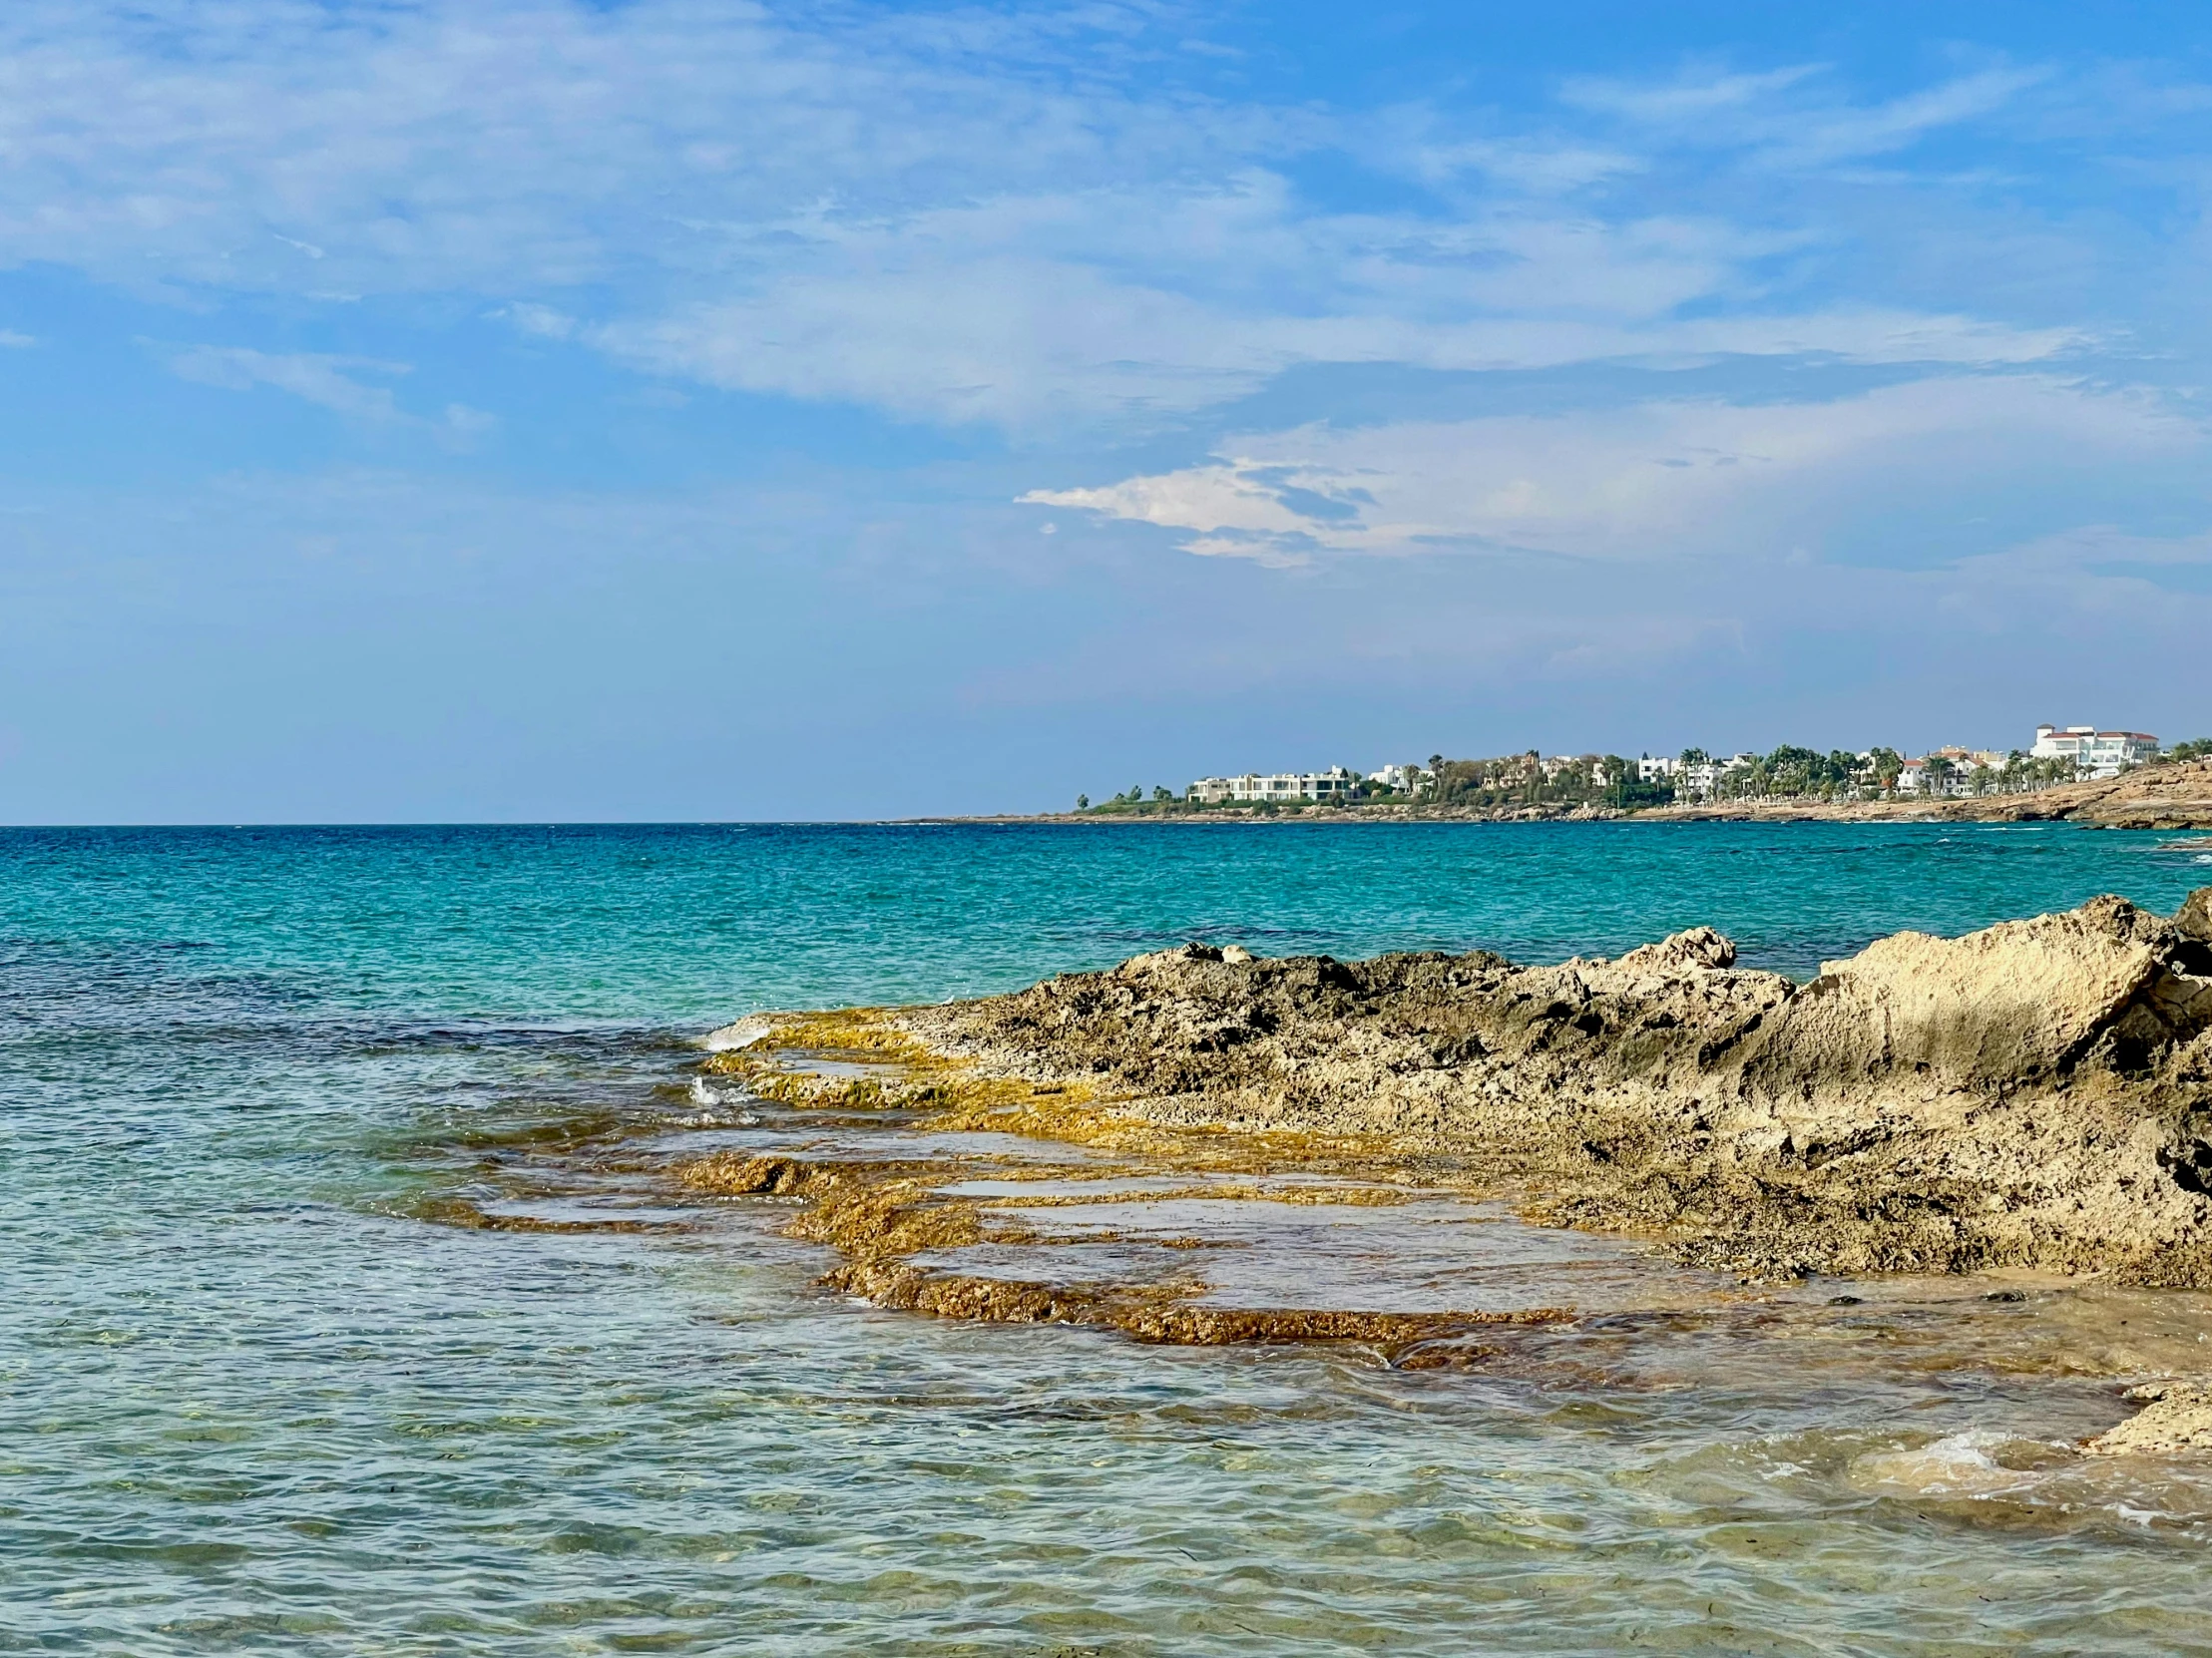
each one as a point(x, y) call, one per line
point(1919, 778)
point(1940, 771)
point(1913, 779)
point(1700, 781)
point(2100, 753)
point(1334, 784)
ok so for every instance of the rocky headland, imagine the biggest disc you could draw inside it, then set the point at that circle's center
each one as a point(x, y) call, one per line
point(2035, 1095)
point(2176, 795)
point(2172, 796)
point(1202, 1145)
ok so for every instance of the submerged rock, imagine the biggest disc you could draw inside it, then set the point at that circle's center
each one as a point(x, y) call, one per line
point(2038, 1093)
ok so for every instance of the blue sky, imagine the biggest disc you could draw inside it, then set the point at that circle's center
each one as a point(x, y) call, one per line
point(665, 409)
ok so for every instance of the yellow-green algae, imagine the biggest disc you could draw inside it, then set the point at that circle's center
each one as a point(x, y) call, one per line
point(880, 1215)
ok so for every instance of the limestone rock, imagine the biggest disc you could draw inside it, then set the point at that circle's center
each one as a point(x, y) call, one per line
point(2038, 1093)
point(2176, 1421)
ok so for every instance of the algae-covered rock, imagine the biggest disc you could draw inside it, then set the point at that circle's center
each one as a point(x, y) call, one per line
point(2038, 1093)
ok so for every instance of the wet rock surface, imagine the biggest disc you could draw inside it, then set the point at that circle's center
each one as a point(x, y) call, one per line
point(2037, 1094)
point(2175, 1420)
point(1444, 1160)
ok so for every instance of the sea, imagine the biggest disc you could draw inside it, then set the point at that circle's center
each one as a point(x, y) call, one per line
point(260, 1391)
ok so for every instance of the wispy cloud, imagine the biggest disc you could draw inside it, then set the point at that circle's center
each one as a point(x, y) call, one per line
point(1692, 97)
point(1658, 481)
point(1033, 315)
point(1796, 117)
point(336, 383)
point(968, 218)
point(540, 320)
point(330, 382)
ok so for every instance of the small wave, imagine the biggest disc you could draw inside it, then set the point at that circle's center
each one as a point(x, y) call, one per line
point(720, 1119)
point(1959, 1464)
point(1990, 1474)
point(742, 1033)
point(713, 1113)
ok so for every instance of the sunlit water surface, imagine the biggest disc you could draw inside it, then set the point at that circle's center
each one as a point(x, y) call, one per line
point(254, 1396)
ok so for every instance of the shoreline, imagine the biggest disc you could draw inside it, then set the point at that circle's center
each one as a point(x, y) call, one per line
point(1436, 1157)
point(2036, 1095)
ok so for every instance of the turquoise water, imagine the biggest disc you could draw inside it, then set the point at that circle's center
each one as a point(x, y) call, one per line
point(250, 1400)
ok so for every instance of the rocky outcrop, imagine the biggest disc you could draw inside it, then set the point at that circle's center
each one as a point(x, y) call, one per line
point(2175, 1420)
point(2035, 1094)
point(2170, 795)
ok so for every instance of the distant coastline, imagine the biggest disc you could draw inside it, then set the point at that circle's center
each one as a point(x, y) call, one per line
point(2164, 797)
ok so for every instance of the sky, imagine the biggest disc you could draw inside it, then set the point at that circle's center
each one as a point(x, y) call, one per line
point(666, 410)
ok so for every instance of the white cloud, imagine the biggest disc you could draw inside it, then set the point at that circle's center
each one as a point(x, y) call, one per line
point(327, 381)
point(1889, 127)
point(1654, 481)
point(1032, 313)
point(520, 144)
point(1790, 117)
point(10, 341)
point(1689, 98)
point(335, 383)
point(2099, 567)
point(542, 320)
point(966, 217)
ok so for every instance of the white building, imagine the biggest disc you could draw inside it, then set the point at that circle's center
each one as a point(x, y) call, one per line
point(1657, 769)
point(1913, 779)
point(1397, 779)
point(2099, 753)
point(1951, 776)
point(1702, 781)
point(1334, 784)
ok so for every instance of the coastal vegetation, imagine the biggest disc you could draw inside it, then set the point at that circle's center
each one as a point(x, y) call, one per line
point(1531, 784)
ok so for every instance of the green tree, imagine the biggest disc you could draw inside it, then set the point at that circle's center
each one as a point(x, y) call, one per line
point(1887, 765)
point(1082, 802)
point(1614, 771)
point(1793, 771)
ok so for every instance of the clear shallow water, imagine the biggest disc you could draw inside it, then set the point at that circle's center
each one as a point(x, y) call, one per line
point(250, 1400)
